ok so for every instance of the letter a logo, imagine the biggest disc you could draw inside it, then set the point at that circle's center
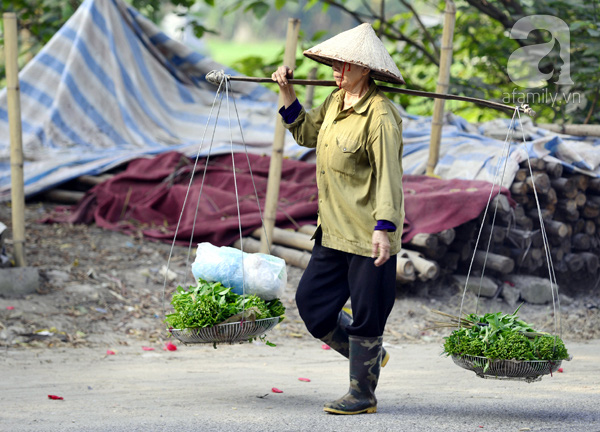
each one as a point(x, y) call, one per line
point(523, 64)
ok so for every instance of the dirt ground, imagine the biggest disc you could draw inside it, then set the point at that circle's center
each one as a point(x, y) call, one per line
point(103, 288)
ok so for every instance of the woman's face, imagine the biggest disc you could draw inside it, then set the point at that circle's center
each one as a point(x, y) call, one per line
point(348, 75)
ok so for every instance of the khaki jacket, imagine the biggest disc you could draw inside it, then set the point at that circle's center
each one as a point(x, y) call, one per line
point(359, 168)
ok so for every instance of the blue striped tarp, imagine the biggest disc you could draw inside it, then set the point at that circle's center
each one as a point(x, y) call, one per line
point(110, 86)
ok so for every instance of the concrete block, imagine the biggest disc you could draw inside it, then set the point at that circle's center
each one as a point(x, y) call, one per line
point(510, 294)
point(533, 289)
point(19, 281)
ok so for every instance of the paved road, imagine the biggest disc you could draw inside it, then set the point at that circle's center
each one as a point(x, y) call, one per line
point(198, 388)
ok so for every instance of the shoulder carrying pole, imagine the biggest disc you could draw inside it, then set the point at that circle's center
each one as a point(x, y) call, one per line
point(215, 77)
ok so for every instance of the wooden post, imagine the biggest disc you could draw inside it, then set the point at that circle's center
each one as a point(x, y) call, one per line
point(442, 87)
point(16, 147)
point(289, 59)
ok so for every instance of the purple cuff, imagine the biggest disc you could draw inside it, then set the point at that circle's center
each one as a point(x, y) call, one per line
point(291, 113)
point(385, 225)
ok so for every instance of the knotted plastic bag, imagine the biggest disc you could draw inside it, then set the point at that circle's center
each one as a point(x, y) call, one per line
point(263, 275)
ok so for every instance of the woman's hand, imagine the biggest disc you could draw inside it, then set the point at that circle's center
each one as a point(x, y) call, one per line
point(381, 247)
point(281, 77)
point(282, 74)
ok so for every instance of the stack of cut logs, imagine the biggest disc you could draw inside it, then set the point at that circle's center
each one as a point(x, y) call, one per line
point(570, 210)
point(510, 239)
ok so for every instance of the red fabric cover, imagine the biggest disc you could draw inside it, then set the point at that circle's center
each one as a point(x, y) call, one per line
point(433, 205)
point(148, 197)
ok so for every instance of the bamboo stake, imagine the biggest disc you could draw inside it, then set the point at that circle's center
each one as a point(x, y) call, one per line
point(215, 77)
point(289, 59)
point(442, 87)
point(16, 146)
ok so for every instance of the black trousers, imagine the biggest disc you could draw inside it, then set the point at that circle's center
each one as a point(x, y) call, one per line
point(332, 277)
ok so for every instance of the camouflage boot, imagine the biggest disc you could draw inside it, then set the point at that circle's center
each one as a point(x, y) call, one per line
point(338, 338)
point(365, 359)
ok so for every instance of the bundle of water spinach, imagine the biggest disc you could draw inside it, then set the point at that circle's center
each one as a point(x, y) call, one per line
point(500, 336)
point(211, 303)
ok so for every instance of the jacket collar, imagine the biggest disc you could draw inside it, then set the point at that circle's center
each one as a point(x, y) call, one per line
point(364, 102)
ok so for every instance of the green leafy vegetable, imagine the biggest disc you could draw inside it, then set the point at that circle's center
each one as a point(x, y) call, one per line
point(499, 336)
point(212, 303)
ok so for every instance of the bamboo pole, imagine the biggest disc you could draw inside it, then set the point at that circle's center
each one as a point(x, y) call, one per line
point(308, 229)
point(289, 59)
point(16, 146)
point(291, 256)
point(64, 196)
point(288, 238)
point(442, 87)
point(427, 269)
point(572, 129)
point(405, 270)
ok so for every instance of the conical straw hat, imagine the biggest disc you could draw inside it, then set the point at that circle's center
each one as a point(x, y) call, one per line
point(361, 46)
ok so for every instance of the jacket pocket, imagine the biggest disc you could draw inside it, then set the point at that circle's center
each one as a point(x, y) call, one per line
point(345, 155)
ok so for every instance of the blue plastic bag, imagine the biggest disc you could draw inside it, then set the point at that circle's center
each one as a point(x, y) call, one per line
point(263, 275)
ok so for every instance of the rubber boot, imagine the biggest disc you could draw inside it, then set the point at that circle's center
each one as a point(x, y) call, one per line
point(365, 359)
point(338, 338)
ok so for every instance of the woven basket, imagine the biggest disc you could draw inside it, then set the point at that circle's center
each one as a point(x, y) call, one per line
point(519, 370)
point(239, 331)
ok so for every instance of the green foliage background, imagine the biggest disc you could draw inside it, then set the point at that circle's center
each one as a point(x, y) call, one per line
point(411, 31)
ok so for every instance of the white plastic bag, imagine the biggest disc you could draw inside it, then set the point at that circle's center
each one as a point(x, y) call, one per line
point(264, 275)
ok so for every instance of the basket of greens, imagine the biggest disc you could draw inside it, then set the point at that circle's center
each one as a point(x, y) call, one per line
point(501, 346)
point(213, 313)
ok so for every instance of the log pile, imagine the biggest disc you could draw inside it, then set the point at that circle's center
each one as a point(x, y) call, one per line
point(511, 239)
point(570, 211)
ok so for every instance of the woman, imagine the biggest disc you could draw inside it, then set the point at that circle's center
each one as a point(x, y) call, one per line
point(357, 136)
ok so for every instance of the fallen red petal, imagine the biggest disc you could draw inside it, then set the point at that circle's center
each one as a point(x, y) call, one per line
point(325, 347)
point(10, 307)
point(560, 370)
point(276, 390)
point(110, 352)
point(54, 397)
point(170, 347)
point(145, 348)
point(304, 379)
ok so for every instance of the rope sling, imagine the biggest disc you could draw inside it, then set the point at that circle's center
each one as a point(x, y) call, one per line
point(504, 369)
point(230, 332)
